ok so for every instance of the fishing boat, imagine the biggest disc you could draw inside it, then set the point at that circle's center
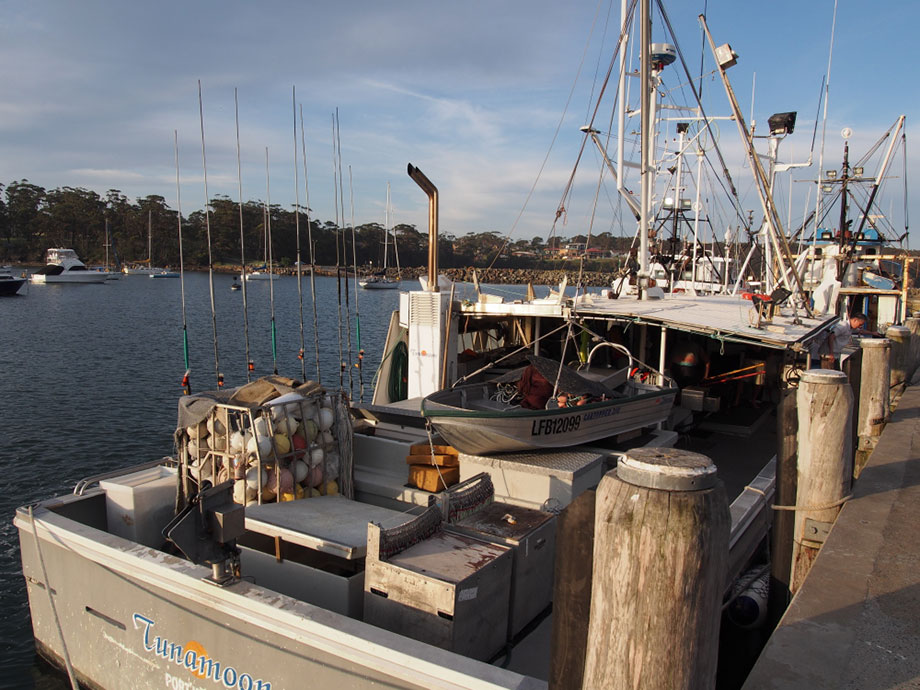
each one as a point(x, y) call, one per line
point(165, 273)
point(380, 280)
point(63, 266)
point(498, 416)
point(254, 560)
point(9, 284)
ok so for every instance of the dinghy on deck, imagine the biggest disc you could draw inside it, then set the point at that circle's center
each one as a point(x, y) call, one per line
point(498, 416)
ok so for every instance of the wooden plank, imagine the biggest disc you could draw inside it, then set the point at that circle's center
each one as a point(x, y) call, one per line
point(572, 593)
point(441, 460)
point(426, 449)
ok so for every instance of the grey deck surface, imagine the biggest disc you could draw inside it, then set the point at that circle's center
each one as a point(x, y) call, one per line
point(856, 621)
point(331, 524)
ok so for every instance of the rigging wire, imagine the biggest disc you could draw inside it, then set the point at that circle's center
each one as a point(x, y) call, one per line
point(207, 224)
point(552, 143)
point(303, 364)
point(271, 275)
point(239, 176)
point(306, 186)
point(186, 385)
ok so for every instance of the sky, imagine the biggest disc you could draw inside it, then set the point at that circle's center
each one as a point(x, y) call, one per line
point(485, 97)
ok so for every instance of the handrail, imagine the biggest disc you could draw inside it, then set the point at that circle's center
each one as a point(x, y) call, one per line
point(84, 484)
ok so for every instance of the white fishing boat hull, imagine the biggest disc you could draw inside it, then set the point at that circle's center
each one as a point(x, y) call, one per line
point(137, 617)
point(165, 274)
point(480, 432)
point(261, 276)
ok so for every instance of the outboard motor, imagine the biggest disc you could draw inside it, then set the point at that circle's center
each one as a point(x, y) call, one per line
point(206, 530)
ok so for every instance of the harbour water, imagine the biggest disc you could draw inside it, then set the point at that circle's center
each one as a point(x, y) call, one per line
point(90, 376)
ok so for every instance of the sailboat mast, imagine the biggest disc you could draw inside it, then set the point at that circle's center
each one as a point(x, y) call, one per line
point(386, 231)
point(149, 238)
point(645, 79)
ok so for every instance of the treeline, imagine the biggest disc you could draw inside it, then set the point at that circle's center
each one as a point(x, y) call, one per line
point(32, 219)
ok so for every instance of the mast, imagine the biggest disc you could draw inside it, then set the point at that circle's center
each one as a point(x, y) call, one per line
point(645, 80)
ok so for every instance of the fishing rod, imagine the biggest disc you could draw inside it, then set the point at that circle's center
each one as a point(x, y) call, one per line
point(250, 365)
point(271, 275)
point(207, 224)
point(306, 186)
point(338, 136)
point(303, 364)
point(354, 263)
point(186, 385)
point(338, 256)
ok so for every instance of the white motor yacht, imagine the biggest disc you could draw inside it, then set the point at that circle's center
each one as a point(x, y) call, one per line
point(63, 266)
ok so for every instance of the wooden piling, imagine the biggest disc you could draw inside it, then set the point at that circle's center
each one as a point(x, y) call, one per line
point(825, 463)
point(787, 427)
point(900, 359)
point(572, 593)
point(913, 325)
point(874, 389)
point(660, 564)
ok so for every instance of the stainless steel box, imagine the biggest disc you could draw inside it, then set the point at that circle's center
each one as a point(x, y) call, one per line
point(531, 534)
point(450, 590)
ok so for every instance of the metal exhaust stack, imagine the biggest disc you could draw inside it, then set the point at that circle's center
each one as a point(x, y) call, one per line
point(432, 193)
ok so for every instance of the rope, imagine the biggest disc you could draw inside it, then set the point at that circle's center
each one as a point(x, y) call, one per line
point(835, 504)
point(57, 621)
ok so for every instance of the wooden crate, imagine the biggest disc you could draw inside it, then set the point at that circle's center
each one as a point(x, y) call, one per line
point(432, 478)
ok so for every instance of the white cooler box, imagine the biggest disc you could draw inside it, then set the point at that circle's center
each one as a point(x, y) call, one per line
point(139, 505)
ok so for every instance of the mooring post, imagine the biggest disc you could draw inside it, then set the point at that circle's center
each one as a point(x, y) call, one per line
point(660, 563)
point(572, 593)
point(913, 325)
point(787, 428)
point(900, 359)
point(825, 411)
point(873, 397)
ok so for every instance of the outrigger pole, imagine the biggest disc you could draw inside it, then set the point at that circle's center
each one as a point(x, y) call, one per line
point(725, 57)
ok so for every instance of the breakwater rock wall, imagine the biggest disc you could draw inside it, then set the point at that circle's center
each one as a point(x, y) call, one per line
point(495, 276)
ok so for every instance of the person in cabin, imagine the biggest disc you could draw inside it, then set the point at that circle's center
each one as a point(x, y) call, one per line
point(830, 344)
point(689, 363)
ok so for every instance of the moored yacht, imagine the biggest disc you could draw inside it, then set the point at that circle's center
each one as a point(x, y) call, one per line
point(63, 266)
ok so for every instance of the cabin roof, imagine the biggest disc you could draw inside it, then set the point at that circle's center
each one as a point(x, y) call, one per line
point(724, 317)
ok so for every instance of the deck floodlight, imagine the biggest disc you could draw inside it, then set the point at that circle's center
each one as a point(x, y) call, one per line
point(858, 170)
point(831, 174)
point(781, 123)
point(827, 189)
point(726, 57)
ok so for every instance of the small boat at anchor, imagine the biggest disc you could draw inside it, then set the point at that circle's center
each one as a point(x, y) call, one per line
point(494, 417)
point(9, 284)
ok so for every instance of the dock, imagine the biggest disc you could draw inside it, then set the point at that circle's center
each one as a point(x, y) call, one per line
point(855, 623)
